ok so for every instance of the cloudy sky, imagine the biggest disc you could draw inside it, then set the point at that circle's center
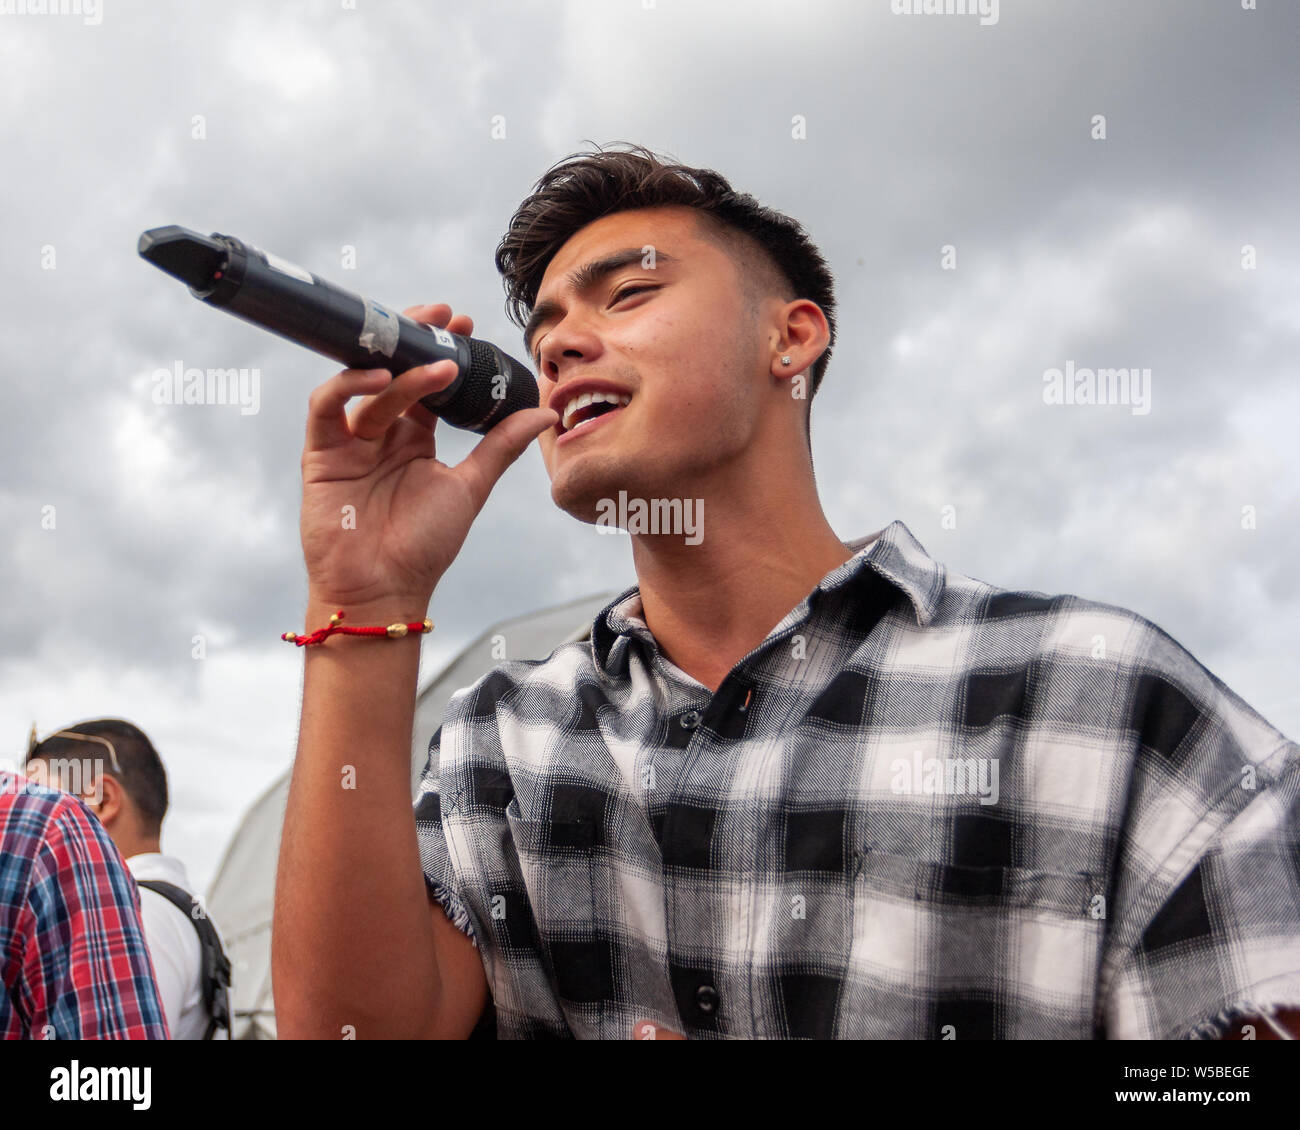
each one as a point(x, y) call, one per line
point(311, 127)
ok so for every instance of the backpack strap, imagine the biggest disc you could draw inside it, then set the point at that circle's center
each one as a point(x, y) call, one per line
point(215, 964)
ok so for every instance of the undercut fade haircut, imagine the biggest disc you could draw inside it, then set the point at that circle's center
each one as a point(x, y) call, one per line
point(142, 775)
point(773, 254)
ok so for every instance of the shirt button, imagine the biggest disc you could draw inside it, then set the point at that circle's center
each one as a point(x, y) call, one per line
point(690, 719)
point(706, 999)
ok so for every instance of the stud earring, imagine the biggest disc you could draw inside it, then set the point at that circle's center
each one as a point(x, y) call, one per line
point(785, 360)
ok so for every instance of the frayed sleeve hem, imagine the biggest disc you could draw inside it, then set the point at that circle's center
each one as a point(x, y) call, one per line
point(452, 907)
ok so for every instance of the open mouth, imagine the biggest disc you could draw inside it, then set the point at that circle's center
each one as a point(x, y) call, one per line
point(582, 410)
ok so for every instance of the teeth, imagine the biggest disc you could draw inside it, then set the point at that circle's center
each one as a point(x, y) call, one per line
point(580, 402)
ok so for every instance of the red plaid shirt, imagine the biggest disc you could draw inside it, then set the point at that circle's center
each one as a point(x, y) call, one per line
point(73, 955)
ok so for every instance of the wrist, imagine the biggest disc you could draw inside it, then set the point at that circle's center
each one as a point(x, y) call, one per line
point(370, 597)
point(379, 610)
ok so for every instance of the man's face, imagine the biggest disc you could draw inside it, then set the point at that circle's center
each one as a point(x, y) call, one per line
point(685, 349)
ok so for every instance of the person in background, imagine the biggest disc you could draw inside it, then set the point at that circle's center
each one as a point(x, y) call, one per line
point(127, 791)
point(73, 956)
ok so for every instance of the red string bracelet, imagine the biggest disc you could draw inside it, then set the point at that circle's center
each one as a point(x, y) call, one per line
point(393, 631)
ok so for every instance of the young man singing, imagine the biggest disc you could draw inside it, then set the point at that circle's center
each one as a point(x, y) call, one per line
point(791, 786)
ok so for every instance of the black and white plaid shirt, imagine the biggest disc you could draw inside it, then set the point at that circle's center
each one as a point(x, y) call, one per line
point(923, 807)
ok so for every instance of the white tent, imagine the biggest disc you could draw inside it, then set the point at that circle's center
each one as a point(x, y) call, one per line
point(242, 894)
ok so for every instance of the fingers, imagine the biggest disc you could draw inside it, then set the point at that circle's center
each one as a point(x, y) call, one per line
point(376, 414)
point(439, 314)
point(386, 399)
point(433, 313)
point(421, 415)
point(327, 423)
point(483, 466)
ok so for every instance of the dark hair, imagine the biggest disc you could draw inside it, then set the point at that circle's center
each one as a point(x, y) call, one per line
point(142, 774)
point(583, 187)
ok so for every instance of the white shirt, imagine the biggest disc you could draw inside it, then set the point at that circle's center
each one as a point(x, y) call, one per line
point(174, 947)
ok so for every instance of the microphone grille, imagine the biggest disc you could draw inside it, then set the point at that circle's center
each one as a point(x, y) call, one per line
point(497, 385)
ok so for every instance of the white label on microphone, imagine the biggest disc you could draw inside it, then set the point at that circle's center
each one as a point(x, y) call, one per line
point(380, 330)
point(287, 268)
point(442, 337)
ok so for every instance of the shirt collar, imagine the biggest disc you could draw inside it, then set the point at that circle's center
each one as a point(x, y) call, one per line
point(892, 553)
point(156, 865)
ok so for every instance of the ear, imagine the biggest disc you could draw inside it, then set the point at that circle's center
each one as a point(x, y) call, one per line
point(804, 336)
point(111, 800)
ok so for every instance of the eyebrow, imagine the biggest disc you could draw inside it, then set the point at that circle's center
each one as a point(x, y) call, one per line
point(584, 278)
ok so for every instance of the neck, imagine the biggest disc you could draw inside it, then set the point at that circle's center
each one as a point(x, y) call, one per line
point(766, 545)
point(136, 845)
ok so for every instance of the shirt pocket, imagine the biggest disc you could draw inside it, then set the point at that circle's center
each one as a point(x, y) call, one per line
point(557, 865)
point(941, 951)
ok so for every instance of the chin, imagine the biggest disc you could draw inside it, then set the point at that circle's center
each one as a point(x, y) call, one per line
point(580, 486)
point(578, 490)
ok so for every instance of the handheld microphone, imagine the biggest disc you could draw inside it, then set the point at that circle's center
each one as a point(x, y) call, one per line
point(358, 332)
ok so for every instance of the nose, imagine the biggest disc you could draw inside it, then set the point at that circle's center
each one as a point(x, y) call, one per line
point(569, 341)
point(551, 367)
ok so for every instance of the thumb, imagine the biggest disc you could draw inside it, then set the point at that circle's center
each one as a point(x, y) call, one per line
point(483, 466)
